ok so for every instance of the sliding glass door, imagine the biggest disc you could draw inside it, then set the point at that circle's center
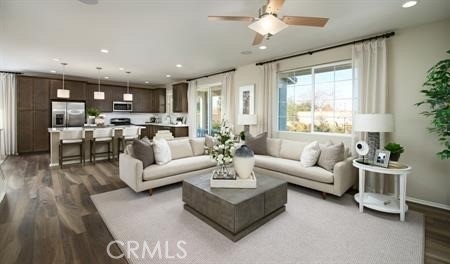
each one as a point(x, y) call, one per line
point(209, 110)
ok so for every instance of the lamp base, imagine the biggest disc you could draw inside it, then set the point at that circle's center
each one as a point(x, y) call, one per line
point(373, 140)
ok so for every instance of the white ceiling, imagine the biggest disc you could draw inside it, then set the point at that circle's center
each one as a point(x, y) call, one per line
point(150, 37)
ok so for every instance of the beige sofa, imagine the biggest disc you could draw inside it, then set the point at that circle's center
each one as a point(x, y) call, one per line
point(282, 161)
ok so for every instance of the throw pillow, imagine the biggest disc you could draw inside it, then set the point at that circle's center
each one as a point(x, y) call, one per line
point(330, 155)
point(310, 154)
point(257, 143)
point(162, 151)
point(198, 146)
point(210, 142)
point(143, 151)
point(180, 148)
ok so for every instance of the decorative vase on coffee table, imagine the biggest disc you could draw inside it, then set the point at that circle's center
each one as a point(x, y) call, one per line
point(244, 161)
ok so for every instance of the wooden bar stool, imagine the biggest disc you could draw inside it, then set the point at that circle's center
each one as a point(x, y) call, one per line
point(128, 135)
point(71, 137)
point(101, 136)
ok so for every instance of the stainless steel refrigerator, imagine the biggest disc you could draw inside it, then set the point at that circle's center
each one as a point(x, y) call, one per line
point(68, 114)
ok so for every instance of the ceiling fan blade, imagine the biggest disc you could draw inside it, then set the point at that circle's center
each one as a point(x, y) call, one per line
point(274, 6)
point(305, 21)
point(258, 39)
point(231, 18)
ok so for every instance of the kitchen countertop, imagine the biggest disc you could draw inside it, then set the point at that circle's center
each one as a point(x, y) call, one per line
point(162, 124)
point(88, 128)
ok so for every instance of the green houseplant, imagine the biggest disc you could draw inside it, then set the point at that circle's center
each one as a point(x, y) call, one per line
point(92, 111)
point(437, 96)
point(395, 149)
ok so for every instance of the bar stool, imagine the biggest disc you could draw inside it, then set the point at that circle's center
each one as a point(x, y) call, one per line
point(71, 137)
point(101, 136)
point(128, 134)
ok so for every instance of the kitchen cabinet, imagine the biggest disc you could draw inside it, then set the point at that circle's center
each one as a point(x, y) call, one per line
point(41, 94)
point(159, 100)
point(117, 93)
point(180, 103)
point(25, 131)
point(25, 93)
point(40, 130)
point(176, 131)
point(102, 105)
point(77, 89)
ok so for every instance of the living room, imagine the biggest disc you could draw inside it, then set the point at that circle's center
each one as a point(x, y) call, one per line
point(224, 132)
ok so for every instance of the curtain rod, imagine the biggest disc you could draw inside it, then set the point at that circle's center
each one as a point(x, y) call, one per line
point(10, 72)
point(385, 35)
point(206, 76)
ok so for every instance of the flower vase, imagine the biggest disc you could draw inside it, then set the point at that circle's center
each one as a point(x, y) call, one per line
point(244, 161)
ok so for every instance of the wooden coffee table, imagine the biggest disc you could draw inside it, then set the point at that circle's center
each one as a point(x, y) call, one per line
point(235, 212)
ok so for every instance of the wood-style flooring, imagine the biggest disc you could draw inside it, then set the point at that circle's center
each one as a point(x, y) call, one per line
point(48, 216)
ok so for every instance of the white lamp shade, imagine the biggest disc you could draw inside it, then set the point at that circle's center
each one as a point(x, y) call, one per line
point(268, 24)
point(128, 97)
point(99, 95)
point(247, 119)
point(374, 123)
point(62, 93)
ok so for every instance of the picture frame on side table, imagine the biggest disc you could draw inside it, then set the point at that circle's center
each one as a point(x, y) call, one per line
point(247, 100)
point(382, 158)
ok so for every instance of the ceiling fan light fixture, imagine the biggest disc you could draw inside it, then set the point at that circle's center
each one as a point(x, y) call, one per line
point(409, 3)
point(268, 24)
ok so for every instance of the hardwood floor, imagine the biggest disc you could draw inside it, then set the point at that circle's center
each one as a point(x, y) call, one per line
point(48, 216)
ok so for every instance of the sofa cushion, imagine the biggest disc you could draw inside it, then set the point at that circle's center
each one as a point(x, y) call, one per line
point(310, 154)
point(143, 151)
point(162, 151)
point(291, 149)
point(178, 166)
point(257, 143)
point(180, 148)
point(210, 142)
point(293, 168)
point(273, 147)
point(198, 146)
point(330, 155)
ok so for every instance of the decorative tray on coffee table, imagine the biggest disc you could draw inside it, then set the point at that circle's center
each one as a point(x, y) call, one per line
point(237, 183)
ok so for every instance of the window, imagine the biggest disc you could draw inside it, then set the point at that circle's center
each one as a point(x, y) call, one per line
point(316, 99)
point(209, 110)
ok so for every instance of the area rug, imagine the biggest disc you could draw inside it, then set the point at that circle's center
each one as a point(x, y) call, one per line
point(156, 229)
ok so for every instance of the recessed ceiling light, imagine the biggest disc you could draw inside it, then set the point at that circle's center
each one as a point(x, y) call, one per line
point(147, 82)
point(106, 77)
point(56, 59)
point(409, 3)
point(178, 65)
point(53, 71)
point(262, 47)
point(121, 69)
point(168, 75)
point(104, 51)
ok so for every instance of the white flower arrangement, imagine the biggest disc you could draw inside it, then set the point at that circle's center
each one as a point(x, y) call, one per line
point(223, 151)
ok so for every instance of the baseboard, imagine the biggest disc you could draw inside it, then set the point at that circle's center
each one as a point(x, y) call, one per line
point(428, 203)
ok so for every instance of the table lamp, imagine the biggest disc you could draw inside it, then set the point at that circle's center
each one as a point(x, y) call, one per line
point(374, 124)
point(247, 120)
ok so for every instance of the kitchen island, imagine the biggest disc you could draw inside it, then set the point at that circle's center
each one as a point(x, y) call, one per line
point(181, 130)
point(88, 133)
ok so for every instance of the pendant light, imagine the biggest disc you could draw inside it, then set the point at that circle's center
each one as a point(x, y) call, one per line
point(63, 93)
point(98, 95)
point(128, 96)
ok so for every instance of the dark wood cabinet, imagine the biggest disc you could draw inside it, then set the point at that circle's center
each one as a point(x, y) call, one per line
point(41, 94)
point(180, 102)
point(25, 93)
point(77, 89)
point(151, 130)
point(104, 105)
point(41, 136)
point(159, 100)
point(25, 131)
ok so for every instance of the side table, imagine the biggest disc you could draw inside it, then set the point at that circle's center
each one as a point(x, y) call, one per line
point(381, 202)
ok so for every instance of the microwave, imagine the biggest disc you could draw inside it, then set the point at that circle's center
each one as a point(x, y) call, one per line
point(122, 106)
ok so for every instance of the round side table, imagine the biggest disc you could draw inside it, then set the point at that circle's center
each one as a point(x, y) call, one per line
point(381, 202)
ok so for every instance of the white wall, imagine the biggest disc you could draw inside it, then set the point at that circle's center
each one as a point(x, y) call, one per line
point(411, 52)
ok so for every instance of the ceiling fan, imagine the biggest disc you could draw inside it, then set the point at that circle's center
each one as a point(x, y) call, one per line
point(268, 23)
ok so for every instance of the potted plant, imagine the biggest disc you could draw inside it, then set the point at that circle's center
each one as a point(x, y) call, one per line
point(437, 96)
point(395, 149)
point(92, 113)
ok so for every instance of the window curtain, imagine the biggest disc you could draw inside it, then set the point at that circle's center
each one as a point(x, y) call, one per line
point(266, 118)
point(192, 108)
point(228, 110)
point(370, 87)
point(8, 114)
